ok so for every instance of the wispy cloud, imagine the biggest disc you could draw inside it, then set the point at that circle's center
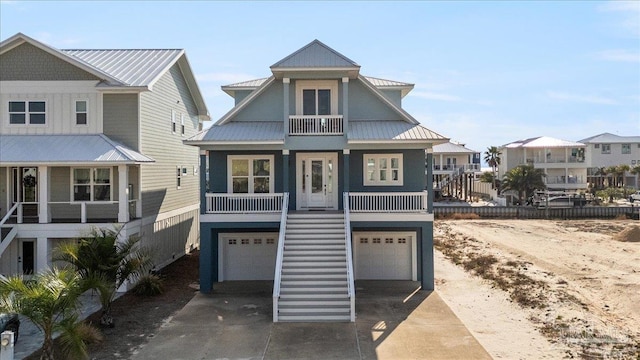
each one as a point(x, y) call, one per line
point(224, 77)
point(621, 55)
point(629, 10)
point(591, 99)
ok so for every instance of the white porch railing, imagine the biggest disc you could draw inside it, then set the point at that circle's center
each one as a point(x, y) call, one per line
point(315, 125)
point(220, 203)
point(277, 277)
point(85, 205)
point(347, 244)
point(387, 202)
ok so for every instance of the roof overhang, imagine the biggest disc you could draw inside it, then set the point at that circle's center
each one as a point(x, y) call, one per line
point(316, 72)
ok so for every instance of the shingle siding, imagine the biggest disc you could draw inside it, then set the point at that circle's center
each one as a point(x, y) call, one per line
point(159, 192)
point(364, 105)
point(120, 118)
point(267, 107)
point(28, 63)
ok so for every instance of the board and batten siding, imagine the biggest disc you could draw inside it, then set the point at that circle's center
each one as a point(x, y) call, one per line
point(59, 98)
point(120, 118)
point(28, 63)
point(158, 180)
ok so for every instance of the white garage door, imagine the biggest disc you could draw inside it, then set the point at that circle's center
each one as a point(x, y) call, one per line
point(248, 256)
point(385, 256)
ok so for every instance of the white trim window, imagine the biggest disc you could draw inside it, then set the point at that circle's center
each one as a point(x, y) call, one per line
point(27, 112)
point(182, 124)
point(81, 109)
point(316, 97)
point(252, 174)
point(91, 184)
point(181, 172)
point(606, 148)
point(173, 121)
point(626, 149)
point(383, 169)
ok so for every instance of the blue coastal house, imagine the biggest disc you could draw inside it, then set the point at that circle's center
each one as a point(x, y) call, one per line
point(315, 179)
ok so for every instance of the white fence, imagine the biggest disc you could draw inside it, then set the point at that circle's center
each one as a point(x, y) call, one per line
point(388, 202)
point(315, 125)
point(243, 203)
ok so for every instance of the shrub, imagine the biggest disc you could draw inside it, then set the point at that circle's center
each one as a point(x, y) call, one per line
point(148, 285)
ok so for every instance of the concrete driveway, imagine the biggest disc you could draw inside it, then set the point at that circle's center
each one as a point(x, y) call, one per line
point(394, 321)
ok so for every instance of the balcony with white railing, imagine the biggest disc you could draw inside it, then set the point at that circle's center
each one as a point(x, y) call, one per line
point(315, 125)
point(222, 207)
point(391, 205)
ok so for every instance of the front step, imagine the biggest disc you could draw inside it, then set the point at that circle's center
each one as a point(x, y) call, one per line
point(314, 283)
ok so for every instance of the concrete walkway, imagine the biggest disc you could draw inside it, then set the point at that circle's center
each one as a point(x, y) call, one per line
point(394, 321)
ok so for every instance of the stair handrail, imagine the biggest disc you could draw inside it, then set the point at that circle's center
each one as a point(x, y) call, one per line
point(350, 275)
point(8, 215)
point(280, 254)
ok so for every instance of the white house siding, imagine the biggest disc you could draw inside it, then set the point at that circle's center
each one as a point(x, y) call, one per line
point(4, 200)
point(596, 158)
point(60, 97)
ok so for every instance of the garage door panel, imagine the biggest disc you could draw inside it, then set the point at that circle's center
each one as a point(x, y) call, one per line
point(249, 256)
point(384, 256)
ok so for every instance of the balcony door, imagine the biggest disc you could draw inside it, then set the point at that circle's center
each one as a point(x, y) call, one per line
point(317, 181)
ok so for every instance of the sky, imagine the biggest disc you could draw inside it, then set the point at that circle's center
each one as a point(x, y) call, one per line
point(485, 73)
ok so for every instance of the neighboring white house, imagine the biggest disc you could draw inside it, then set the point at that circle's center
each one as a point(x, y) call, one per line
point(451, 163)
point(563, 161)
point(607, 149)
point(93, 139)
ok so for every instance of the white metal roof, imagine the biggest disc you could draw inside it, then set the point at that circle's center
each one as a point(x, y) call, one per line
point(452, 148)
point(134, 67)
point(240, 131)
point(44, 149)
point(611, 138)
point(362, 131)
point(543, 142)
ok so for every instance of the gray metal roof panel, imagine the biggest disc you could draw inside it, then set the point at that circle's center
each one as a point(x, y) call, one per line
point(611, 138)
point(134, 67)
point(242, 131)
point(452, 148)
point(381, 83)
point(66, 148)
point(315, 55)
point(390, 130)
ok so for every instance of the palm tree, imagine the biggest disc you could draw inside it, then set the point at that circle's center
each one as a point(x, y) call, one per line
point(492, 158)
point(613, 176)
point(524, 179)
point(50, 300)
point(621, 170)
point(104, 264)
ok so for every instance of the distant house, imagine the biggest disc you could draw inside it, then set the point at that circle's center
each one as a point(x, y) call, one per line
point(606, 150)
point(316, 178)
point(93, 139)
point(455, 167)
point(563, 161)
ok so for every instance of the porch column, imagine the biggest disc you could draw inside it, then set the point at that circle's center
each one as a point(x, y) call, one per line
point(430, 179)
point(203, 181)
point(123, 193)
point(345, 170)
point(525, 155)
point(43, 198)
point(441, 159)
point(345, 106)
point(285, 170)
point(42, 254)
point(285, 87)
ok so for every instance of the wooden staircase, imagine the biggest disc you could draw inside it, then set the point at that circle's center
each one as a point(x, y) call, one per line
point(314, 278)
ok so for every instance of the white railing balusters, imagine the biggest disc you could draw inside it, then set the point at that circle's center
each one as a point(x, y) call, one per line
point(388, 202)
point(315, 125)
point(277, 277)
point(350, 273)
point(220, 203)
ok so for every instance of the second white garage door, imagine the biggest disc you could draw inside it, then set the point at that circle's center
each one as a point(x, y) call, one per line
point(385, 255)
point(247, 256)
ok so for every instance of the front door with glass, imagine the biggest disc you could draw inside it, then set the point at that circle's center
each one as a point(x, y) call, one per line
point(317, 180)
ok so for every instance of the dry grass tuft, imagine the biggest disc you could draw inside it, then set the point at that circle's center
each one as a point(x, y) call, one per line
point(630, 234)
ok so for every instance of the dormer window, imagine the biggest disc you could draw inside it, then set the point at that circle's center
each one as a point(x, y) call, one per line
point(317, 97)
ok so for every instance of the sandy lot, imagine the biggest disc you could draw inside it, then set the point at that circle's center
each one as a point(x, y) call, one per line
point(543, 288)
